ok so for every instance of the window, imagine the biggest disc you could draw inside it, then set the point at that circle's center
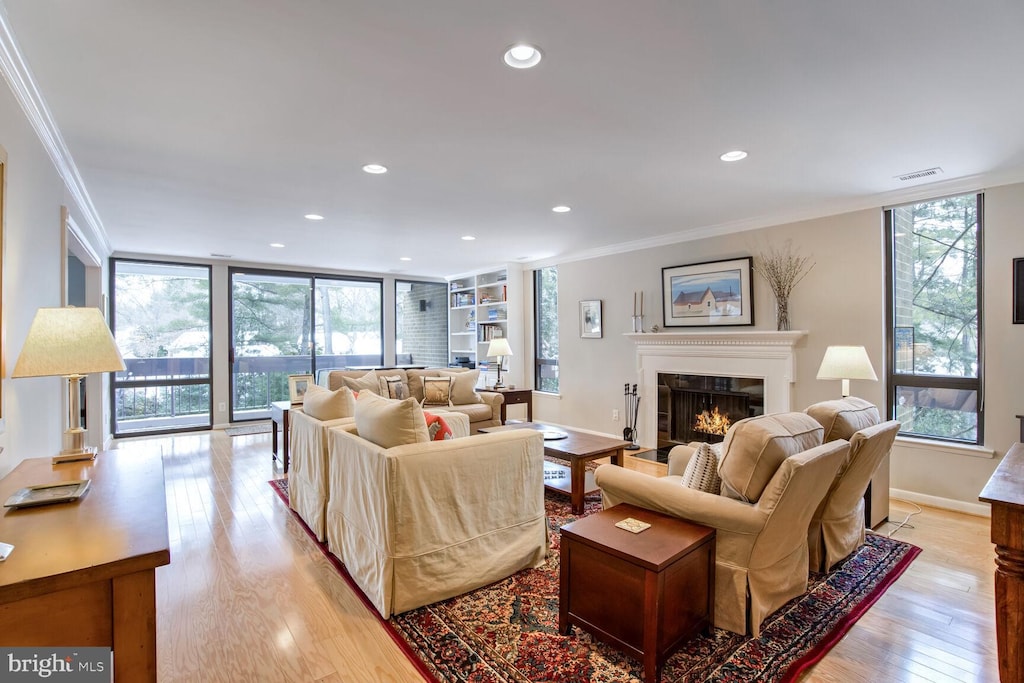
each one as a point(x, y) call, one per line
point(545, 293)
point(161, 319)
point(421, 323)
point(934, 318)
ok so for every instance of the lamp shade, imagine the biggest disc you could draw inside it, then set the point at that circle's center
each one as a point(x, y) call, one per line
point(846, 362)
point(499, 347)
point(68, 341)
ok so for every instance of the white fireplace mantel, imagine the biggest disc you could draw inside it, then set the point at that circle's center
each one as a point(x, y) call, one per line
point(763, 354)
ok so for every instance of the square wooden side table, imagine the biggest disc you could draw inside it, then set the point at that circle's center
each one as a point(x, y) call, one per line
point(515, 397)
point(644, 593)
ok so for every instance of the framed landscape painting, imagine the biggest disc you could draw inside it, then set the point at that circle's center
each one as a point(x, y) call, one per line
point(708, 294)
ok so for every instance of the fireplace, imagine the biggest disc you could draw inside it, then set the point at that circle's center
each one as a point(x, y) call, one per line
point(731, 360)
point(702, 407)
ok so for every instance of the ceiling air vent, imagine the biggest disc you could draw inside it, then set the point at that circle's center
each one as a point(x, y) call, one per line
point(220, 255)
point(914, 175)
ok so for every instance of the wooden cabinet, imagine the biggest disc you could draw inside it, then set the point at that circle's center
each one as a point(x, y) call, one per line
point(84, 573)
point(481, 307)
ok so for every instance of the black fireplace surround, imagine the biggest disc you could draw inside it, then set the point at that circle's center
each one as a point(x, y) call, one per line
point(683, 398)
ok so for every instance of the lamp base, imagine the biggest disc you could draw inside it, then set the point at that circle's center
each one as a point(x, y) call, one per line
point(88, 453)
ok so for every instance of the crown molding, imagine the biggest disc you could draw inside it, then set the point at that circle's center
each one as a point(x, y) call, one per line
point(19, 77)
point(927, 191)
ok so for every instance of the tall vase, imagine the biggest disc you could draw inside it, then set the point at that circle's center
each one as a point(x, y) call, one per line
point(782, 315)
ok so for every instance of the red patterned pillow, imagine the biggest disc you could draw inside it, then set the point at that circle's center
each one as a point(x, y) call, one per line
point(437, 427)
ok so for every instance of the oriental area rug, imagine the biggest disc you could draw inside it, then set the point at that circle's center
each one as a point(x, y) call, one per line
point(508, 632)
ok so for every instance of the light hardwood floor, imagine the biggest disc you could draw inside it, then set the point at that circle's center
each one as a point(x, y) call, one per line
point(249, 597)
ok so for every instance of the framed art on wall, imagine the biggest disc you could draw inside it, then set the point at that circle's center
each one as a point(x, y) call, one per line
point(708, 294)
point(590, 319)
point(297, 385)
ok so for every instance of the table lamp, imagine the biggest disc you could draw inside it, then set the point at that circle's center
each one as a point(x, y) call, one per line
point(846, 363)
point(499, 347)
point(69, 342)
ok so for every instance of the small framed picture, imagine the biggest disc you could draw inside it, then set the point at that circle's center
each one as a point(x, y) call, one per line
point(590, 319)
point(297, 385)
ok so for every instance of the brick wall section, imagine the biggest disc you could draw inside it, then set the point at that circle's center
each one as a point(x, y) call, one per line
point(424, 334)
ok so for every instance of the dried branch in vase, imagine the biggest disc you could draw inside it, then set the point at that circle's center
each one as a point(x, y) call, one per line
point(782, 269)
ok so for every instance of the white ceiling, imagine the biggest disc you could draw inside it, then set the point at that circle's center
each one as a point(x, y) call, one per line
point(212, 126)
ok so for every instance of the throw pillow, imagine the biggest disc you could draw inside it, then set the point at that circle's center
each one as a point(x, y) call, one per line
point(701, 472)
point(324, 404)
point(390, 423)
point(437, 428)
point(437, 391)
point(393, 387)
point(367, 382)
point(463, 386)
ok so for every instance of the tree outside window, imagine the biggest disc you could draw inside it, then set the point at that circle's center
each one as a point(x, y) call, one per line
point(934, 312)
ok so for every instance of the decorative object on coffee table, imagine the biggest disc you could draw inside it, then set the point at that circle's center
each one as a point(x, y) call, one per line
point(499, 347)
point(782, 269)
point(707, 294)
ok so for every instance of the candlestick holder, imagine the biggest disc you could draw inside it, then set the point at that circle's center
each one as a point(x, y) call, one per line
point(638, 323)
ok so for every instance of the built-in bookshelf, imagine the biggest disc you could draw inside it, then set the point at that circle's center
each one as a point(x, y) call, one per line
point(481, 307)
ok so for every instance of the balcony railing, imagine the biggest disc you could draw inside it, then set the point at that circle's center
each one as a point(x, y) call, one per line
point(166, 393)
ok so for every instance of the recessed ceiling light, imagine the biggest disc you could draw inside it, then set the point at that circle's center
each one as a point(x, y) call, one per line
point(522, 56)
point(468, 238)
point(277, 245)
point(561, 209)
point(375, 169)
point(313, 217)
point(404, 258)
point(734, 155)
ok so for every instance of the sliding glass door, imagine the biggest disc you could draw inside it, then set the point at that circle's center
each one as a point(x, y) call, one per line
point(161, 320)
point(290, 323)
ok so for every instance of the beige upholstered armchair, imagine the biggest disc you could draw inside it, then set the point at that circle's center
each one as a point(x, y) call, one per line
point(837, 527)
point(777, 472)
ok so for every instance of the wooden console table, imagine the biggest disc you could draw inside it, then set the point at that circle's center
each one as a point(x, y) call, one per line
point(1005, 492)
point(83, 574)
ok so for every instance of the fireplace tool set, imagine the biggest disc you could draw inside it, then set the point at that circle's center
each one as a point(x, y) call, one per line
point(632, 409)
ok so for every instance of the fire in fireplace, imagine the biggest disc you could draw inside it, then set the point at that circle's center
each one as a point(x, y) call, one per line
point(702, 407)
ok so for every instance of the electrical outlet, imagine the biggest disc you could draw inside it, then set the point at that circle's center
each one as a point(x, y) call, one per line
point(615, 415)
point(222, 406)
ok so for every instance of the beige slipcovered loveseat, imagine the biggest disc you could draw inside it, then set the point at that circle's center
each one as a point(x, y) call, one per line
point(419, 522)
point(483, 408)
point(774, 471)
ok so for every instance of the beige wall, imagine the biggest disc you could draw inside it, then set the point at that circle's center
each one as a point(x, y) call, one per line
point(32, 408)
point(841, 301)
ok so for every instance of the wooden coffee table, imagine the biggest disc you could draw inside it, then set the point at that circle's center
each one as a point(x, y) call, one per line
point(645, 593)
point(577, 448)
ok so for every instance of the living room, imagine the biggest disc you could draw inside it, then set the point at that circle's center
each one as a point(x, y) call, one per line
point(841, 301)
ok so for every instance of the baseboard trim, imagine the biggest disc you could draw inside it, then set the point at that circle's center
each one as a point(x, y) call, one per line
point(976, 509)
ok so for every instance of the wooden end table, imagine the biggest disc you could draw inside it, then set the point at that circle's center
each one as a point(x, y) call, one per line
point(646, 593)
point(515, 397)
point(279, 418)
point(578, 448)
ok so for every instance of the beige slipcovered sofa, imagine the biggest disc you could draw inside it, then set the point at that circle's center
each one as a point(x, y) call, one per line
point(308, 476)
point(422, 522)
point(777, 471)
point(482, 407)
point(837, 527)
